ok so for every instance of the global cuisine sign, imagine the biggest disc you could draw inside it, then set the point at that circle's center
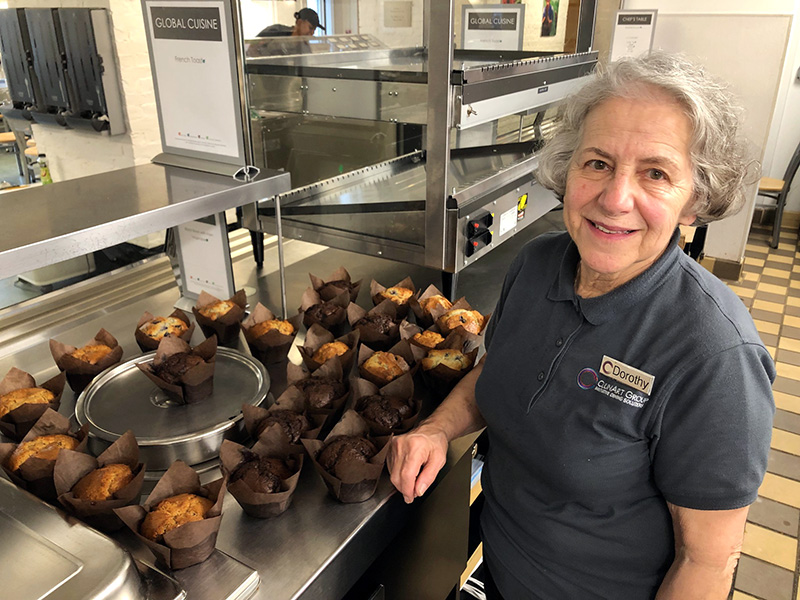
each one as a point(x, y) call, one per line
point(492, 26)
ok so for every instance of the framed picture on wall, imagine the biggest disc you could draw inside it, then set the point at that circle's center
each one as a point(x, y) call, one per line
point(550, 18)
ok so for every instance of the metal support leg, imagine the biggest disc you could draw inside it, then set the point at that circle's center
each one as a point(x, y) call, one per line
point(257, 239)
point(280, 256)
point(450, 285)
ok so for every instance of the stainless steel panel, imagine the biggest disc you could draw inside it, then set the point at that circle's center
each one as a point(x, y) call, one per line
point(122, 398)
point(14, 43)
point(46, 46)
point(343, 98)
point(46, 556)
point(83, 62)
point(51, 223)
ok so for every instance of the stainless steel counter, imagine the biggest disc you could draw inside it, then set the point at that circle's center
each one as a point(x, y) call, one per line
point(48, 224)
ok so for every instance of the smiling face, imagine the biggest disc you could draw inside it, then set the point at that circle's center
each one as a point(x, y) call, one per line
point(629, 185)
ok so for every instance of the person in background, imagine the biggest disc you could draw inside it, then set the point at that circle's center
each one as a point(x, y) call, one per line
point(305, 24)
point(625, 390)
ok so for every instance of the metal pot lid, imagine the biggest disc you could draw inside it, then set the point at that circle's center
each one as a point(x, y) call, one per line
point(122, 398)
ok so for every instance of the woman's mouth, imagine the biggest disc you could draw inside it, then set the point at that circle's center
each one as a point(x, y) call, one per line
point(610, 230)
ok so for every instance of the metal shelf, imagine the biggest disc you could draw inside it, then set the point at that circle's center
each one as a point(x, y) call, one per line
point(51, 223)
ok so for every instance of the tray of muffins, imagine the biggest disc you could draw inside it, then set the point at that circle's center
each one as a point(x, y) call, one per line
point(364, 375)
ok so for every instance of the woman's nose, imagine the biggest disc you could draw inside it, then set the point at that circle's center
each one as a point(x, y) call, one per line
point(618, 195)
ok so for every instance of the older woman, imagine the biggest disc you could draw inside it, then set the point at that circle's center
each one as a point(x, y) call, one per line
point(626, 393)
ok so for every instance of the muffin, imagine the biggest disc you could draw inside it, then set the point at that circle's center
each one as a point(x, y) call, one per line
point(173, 512)
point(293, 424)
point(92, 353)
point(216, 309)
point(378, 324)
point(175, 366)
point(262, 474)
point(324, 313)
point(101, 484)
point(320, 392)
point(45, 447)
point(386, 411)
point(398, 295)
point(329, 350)
point(453, 359)
point(385, 366)
point(17, 398)
point(470, 320)
point(161, 326)
point(341, 451)
point(429, 339)
point(336, 287)
point(435, 301)
point(279, 325)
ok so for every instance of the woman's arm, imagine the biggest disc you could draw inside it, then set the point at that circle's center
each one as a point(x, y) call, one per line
point(416, 457)
point(707, 548)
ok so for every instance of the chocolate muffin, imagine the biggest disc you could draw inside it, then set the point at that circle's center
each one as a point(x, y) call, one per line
point(377, 324)
point(262, 474)
point(293, 424)
point(175, 366)
point(101, 484)
point(173, 512)
point(336, 287)
point(386, 411)
point(326, 314)
point(344, 450)
point(320, 392)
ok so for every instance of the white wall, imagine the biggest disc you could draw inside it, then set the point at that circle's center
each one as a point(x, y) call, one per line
point(73, 153)
point(371, 21)
point(741, 42)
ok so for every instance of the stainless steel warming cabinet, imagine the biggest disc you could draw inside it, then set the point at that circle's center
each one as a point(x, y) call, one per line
point(421, 155)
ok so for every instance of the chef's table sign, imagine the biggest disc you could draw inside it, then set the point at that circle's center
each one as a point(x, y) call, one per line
point(196, 83)
point(492, 26)
point(633, 33)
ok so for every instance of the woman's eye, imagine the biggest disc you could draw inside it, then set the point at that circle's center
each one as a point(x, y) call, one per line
point(656, 174)
point(597, 164)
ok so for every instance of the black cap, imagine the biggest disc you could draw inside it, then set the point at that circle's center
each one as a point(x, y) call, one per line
point(310, 15)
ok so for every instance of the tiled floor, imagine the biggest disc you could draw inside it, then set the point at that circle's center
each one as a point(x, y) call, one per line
point(770, 287)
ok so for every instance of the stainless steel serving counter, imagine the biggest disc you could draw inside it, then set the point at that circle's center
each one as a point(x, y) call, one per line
point(318, 548)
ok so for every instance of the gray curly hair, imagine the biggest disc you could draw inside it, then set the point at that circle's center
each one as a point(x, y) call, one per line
point(718, 155)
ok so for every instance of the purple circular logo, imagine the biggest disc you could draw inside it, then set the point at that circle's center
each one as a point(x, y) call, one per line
point(587, 379)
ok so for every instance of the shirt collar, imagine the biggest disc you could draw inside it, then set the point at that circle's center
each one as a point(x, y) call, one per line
point(600, 309)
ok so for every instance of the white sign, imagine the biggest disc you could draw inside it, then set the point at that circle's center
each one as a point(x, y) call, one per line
point(397, 13)
point(205, 257)
point(493, 26)
point(633, 33)
point(196, 85)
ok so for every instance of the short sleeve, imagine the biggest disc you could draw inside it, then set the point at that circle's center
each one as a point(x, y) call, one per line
point(711, 443)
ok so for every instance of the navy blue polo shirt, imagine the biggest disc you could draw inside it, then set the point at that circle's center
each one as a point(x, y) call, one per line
point(602, 410)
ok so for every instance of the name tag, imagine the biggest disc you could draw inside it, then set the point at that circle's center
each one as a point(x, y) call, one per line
point(634, 378)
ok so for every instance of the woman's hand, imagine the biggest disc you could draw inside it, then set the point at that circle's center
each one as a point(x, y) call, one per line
point(415, 459)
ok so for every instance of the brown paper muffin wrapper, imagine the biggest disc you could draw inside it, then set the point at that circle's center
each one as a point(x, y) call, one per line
point(80, 373)
point(291, 399)
point(148, 344)
point(72, 466)
point(36, 474)
point(272, 346)
point(368, 335)
point(423, 318)
point(16, 423)
point(361, 481)
point(462, 303)
point(375, 290)
point(317, 336)
point(328, 292)
point(332, 322)
point(188, 544)
point(442, 379)
point(401, 348)
point(198, 382)
point(332, 369)
point(402, 387)
point(272, 444)
point(226, 327)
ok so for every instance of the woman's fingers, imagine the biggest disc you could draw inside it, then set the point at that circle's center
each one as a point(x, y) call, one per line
point(414, 460)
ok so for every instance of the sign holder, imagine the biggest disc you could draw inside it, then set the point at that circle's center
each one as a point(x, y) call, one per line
point(492, 26)
point(633, 33)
